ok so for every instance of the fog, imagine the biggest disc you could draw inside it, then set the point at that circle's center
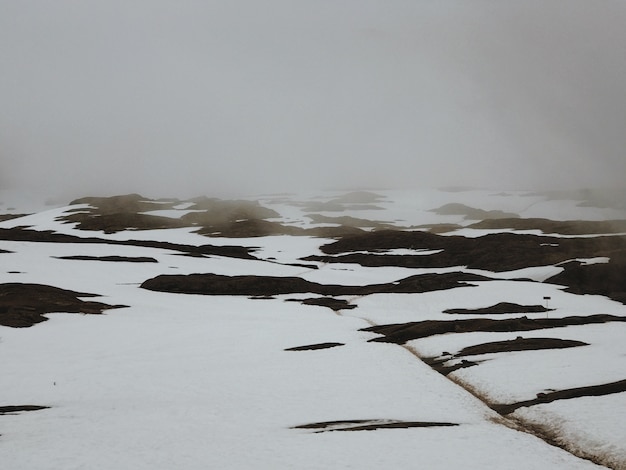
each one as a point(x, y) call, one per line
point(241, 96)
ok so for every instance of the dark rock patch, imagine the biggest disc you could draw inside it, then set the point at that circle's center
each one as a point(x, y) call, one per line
point(400, 333)
point(607, 279)
point(214, 216)
point(312, 347)
point(12, 409)
point(127, 203)
point(117, 222)
point(215, 284)
point(519, 344)
point(440, 365)
point(565, 227)
point(249, 228)
point(500, 308)
point(117, 213)
point(4, 217)
point(24, 234)
point(23, 305)
point(330, 302)
point(218, 211)
point(369, 425)
point(589, 391)
point(494, 252)
point(439, 228)
point(126, 259)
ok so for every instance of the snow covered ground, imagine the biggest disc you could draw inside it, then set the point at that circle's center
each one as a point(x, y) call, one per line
point(204, 381)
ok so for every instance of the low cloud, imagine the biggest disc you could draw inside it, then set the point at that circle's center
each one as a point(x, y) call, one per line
point(183, 98)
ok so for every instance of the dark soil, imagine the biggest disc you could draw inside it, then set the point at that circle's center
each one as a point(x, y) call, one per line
point(23, 234)
point(370, 425)
point(495, 252)
point(224, 218)
point(117, 213)
point(440, 364)
point(23, 305)
point(330, 302)
point(249, 228)
point(501, 308)
point(215, 284)
point(312, 347)
point(4, 217)
point(11, 409)
point(117, 222)
point(127, 203)
point(219, 211)
point(589, 391)
point(520, 344)
point(607, 279)
point(126, 259)
point(402, 332)
point(438, 228)
point(566, 227)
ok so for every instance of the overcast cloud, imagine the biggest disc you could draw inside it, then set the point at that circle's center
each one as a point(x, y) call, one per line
point(188, 97)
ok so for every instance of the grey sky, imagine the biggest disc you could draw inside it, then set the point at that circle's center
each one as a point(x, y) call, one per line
point(188, 97)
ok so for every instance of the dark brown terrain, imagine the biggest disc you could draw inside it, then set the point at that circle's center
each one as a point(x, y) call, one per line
point(23, 305)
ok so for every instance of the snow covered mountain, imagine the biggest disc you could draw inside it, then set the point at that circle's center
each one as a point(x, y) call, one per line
point(435, 329)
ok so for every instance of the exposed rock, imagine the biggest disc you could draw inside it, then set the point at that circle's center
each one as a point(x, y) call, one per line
point(494, 252)
point(23, 234)
point(126, 259)
point(312, 347)
point(565, 227)
point(13, 409)
point(369, 425)
point(400, 333)
point(520, 344)
point(216, 212)
point(128, 203)
point(500, 308)
point(23, 305)
point(117, 222)
point(215, 284)
point(4, 217)
point(588, 391)
point(607, 279)
point(330, 302)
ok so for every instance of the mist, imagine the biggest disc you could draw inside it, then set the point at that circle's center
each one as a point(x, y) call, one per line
point(212, 97)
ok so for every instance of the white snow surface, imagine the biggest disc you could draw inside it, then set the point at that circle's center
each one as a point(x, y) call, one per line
point(199, 382)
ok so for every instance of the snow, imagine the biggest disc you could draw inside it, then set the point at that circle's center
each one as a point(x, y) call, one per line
point(195, 382)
